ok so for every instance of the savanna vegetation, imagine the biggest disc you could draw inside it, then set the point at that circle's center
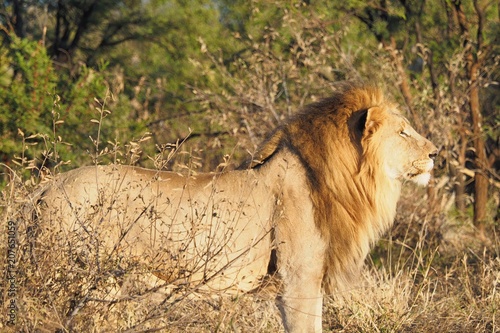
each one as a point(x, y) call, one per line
point(196, 85)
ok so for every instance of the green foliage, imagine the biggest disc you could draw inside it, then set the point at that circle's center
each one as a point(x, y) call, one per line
point(26, 93)
point(45, 107)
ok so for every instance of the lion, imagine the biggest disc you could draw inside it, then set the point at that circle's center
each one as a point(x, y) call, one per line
point(305, 209)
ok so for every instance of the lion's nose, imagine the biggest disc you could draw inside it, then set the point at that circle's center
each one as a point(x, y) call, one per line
point(433, 154)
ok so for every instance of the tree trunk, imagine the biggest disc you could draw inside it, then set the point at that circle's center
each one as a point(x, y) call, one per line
point(474, 55)
point(18, 17)
point(460, 177)
point(481, 160)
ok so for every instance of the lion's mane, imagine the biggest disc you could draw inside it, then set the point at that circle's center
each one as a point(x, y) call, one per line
point(353, 202)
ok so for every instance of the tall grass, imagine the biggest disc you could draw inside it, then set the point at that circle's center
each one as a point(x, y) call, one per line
point(418, 285)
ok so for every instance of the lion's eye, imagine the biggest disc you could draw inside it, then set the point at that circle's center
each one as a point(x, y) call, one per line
point(404, 134)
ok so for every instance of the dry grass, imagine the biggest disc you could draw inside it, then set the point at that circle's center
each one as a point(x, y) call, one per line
point(445, 301)
point(412, 284)
point(432, 294)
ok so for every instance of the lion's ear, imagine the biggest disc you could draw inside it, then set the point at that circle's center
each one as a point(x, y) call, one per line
point(364, 123)
point(361, 121)
point(372, 121)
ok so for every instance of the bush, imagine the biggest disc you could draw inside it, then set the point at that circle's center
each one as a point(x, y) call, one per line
point(40, 104)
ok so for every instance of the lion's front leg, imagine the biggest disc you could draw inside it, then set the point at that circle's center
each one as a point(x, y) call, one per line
point(300, 267)
point(300, 303)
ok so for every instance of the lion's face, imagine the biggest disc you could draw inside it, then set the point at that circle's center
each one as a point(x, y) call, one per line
point(404, 153)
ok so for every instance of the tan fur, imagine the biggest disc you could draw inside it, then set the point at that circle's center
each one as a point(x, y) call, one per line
point(314, 199)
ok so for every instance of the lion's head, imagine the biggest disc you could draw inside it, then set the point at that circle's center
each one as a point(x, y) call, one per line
point(396, 147)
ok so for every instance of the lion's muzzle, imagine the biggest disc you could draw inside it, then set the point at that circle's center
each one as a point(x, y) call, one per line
point(420, 171)
point(424, 165)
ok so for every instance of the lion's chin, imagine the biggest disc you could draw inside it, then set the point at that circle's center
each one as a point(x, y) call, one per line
point(421, 178)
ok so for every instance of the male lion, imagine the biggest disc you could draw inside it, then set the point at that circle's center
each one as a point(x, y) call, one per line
point(320, 191)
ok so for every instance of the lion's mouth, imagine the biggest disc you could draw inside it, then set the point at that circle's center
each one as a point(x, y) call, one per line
point(420, 171)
